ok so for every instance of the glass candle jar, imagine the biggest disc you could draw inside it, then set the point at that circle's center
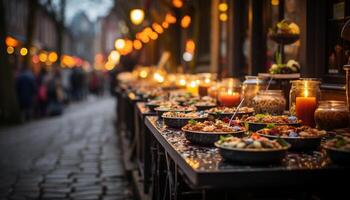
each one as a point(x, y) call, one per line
point(229, 96)
point(205, 82)
point(192, 85)
point(303, 99)
point(251, 86)
point(269, 101)
point(214, 90)
point(331, 115)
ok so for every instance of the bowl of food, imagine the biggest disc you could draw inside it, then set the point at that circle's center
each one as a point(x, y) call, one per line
point(227, 112)
point(205, 103)
point(173, 108)
point(261, 121)
point(338, 149)
point(182, 98)
point(180, 119)
point(254, 150)
point(208, 132)
point(285, 32)
point(300, 138)
point(152, 104)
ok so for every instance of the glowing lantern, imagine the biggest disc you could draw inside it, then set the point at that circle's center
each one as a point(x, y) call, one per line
point(23, 51)
point(170, 18)
point(136, 16)
point(114, 56)
point(42, 57)
point(190, 46)
point(153, 35)
point(11, 42)
point(119, 44)
point(185, 21)
point(165, 24)
point(53, 57)
point(223, 7)
point(158, 77)
point(223, 17)
point(275, 2)
point(177, 3)
point(137, 44)
point(158, 28)
point(10, 50)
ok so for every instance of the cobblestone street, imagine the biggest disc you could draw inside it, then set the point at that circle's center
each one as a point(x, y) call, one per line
point(73, 156)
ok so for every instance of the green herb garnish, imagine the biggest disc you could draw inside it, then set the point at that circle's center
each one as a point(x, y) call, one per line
point(282, 142)
point(270, 126)
point(192, 122)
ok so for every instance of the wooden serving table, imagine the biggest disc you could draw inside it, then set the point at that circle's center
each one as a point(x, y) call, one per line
point(180, 168)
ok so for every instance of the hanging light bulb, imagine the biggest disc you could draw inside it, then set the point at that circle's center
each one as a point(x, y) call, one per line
point(137, 16)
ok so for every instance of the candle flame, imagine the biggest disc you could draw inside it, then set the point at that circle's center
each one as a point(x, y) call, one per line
point(306, 92)
point(182, 82)
point(193, 84)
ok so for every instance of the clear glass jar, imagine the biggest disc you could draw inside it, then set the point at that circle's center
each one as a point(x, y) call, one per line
point(206, 80)
point(303, 99)
point(332, 115)
point(270, 102)
point(250, 88)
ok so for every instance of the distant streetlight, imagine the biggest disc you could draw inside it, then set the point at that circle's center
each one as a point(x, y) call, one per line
point(136, 16)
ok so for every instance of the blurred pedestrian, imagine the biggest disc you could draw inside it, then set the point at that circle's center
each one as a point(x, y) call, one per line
point(42, 80)
point(55, 94)
point(26, 92)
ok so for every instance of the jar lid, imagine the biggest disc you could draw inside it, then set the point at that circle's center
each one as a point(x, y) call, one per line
point(333, 104)
point(308, 80)
point(270, 92)
point(254, 80)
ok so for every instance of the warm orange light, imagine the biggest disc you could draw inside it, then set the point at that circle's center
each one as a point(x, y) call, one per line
point(109, 66)
point(275, 2)
point(53, 57)
point(185, 21)
point(223, 17)
point(158, 77)
point(158, 28)
point(23, 51)
point(119, 44)
point(137, 44)
point(223, 7)
point(42, 57)
point(144, 38)
point(10, 50)
point(177, 3)
point(170, 18)
point(165, 24)
point(148, 31)
point(153, 35)
point(190, 46)
point(99, 57)
point(10, 41)
point(128, 46)
point(35, 59)
point(137, 16)
point(114, 57)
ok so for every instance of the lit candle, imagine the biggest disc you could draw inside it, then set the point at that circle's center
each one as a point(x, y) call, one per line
point(305, 108)
point(192, 88)
point(229, 98)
